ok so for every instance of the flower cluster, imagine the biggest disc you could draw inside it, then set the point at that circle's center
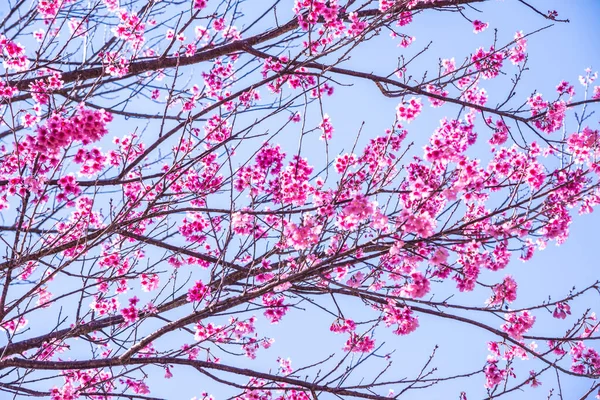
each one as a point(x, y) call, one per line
point(90, 381)
point(585, 360)
point(517, 324)
point(149, 282)
point(358, 210)
point(488, 63)
point(42, 88)
point(217, 129)
point(130, 29)
point(131, 313)
point(505, 292)
point(303, 236)
point(193, 227)
point(276, 309)
point(198, 292)
point(493, 374)
point(342, 326)
point(359, 344)
point(86, 126)
point(562, 310)
point(518, 53)
point(13, 55)
point(479, 26)
point(401, 316)
point(408, 111)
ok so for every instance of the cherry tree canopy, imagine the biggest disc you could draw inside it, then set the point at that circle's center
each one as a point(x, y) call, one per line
point(180, 179)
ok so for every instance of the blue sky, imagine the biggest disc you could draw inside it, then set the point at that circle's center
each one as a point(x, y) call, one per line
point(560, 52)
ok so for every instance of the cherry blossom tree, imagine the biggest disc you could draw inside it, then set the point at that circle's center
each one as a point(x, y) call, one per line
point(172, 184)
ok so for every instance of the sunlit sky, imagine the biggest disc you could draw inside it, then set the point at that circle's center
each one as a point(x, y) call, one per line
point(561, 52)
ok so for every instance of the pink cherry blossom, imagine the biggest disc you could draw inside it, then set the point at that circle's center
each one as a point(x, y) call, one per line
point(408, 111)
point(198, 292)
point(479, 26)
point(504, 292)
point(359, 344)
point(518, 324)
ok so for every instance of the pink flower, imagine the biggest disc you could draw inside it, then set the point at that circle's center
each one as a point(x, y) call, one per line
point(342, 326)
point(114, 64)
point(14, 325)
point(418, 287)
point(359, 344)
point(449, 142)
point(44, 297)
point(493, 374)
point(86, 126)
point(436, 102)
point(93, 161)
point(358, 210)
point(449, 65)
point(565, 88)
point(276, 309)
point(200, 4)
point(588, 78)
point(501, 133)
point(149, 282)
point(69, 186)
point(218, 24)
point(385, 5)
point(242, 223)
point(198, 292)
point(401, 316)
point(406, 41)
point(518, 324)
point(561, 311)
point(217, 129)
point(504, 292)
point(39, 35)
point(487, 63)
point(533, 379)
point(130, 314)
point(285, 366)
point(420, 225)
point(585, 359)
point(326, 127)
point(303, 236)
point(356, 280)
point(404, 19)
point(7, 91)
point(551, 115)
point(409, 111)
point(518, 53)
point(193, 227)
point(356, 25)
point(138, 387)
point(131, 28)
point(13, 55)
point(479, 26)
